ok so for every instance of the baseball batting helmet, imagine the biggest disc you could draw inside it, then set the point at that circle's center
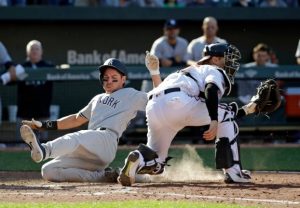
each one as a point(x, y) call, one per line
point(113, 63)
point(229, 52)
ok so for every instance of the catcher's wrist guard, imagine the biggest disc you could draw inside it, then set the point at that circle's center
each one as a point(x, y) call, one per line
point(49, 125)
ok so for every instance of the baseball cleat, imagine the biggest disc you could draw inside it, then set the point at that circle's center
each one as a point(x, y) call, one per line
point(246, 174)
point(233, 177)
point(127, 175)
point(37, 150)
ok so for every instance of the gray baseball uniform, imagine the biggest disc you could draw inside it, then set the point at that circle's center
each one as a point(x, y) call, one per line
point(196, 46)
point(4, 56)
point(83, 155)
point(297, 55)
point(162, 49)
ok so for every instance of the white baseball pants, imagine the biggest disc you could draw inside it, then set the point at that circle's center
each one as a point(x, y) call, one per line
point(169, 113)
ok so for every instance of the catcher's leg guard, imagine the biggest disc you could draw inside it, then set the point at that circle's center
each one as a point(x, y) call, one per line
point(148, 153)
point(140, 161)
point(151, 166)
point(223, 154)
point(228, 150)
point(225, 160)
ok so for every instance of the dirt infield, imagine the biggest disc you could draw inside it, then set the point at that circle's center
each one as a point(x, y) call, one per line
point(267, 190)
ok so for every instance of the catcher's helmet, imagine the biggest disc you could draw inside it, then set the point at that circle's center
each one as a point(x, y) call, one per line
point(113, 63)
point(229, 52)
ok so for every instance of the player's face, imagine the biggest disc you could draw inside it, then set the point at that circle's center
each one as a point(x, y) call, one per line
point(35, 53)
point(218, 61)
point(261, 57)
point(210, 28)
point(112, 80)
point(171, 33)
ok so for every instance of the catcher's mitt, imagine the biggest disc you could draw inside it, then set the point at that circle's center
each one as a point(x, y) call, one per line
point(267, 98)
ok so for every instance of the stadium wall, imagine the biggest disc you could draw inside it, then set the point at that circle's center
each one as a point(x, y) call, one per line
point(86, 36)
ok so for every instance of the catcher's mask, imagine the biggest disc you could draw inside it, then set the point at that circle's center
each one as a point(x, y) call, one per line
point(230, 53)
point(112, 63)
point(232, 56)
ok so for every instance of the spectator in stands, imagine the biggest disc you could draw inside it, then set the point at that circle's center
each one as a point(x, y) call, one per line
point(243, 3)
point(171, 51)
point(16, 2)
point(120, 3)
point(3, 3)
point(196, 46)
point(200, 3)
point(298, 53)
point(170, 48)
point(173, 3)
point(87, 3)
point(10, 72)
point(272, 3)
point(262, 58)
point(150, 3)
point(50, 2)
point(292, 3)
point(5, 62)
point(34, 97)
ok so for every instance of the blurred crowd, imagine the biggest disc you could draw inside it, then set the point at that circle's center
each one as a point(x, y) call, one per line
point(156, 3)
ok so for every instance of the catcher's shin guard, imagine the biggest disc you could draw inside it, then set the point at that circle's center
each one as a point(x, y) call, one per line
point(128, 172)
point(148, 153)
point(38, 152)
point(223, 153)
point(225, 160)
point(151, 165)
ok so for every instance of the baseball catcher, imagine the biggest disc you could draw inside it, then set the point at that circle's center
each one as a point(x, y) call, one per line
point(191, 97)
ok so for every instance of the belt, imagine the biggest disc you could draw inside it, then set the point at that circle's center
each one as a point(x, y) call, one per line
point(103, 129)
point(167, 91)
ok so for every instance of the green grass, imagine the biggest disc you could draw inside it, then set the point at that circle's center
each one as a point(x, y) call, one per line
point(259, 158)
point(124, 204)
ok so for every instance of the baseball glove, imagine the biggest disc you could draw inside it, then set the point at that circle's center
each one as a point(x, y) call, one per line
point(267, 98)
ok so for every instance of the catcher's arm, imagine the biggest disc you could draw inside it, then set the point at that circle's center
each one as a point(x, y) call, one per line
point(152, 64)
point(212, 101)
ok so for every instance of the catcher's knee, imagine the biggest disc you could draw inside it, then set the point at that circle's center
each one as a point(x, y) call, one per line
point(223, 154)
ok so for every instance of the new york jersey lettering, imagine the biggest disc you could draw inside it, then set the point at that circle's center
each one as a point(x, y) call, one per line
point(110, 101)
